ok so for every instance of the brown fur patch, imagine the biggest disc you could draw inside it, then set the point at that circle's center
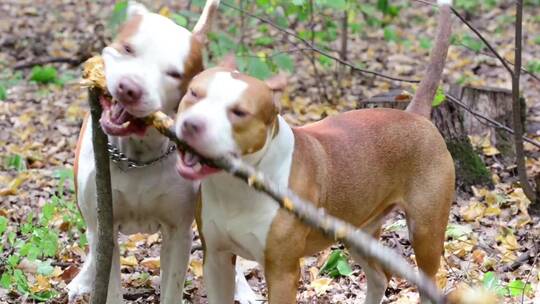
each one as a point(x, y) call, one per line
point(128, 30)
point(193, 64)
point(78, 152)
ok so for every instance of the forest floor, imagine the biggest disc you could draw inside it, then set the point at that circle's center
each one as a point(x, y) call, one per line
point(489, 230)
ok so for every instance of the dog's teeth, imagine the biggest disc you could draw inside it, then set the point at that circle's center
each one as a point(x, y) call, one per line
point(197, 167)
point(126, 124)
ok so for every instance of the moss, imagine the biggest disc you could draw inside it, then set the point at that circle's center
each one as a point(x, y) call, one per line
point(470, 169)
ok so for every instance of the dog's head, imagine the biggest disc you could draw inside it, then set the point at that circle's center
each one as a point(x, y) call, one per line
point(226, 112)
point(149, 65)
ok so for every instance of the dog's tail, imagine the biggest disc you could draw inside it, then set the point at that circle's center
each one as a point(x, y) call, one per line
point(207, 16)
point(423, 98)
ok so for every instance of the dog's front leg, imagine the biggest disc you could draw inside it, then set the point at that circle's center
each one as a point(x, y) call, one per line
point(282, 277)
point(175, 250)
point(219, 277)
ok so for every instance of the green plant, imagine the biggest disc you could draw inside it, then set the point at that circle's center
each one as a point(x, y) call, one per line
point(513, 288)
point(336, 265)
point(16, 162)
point(36, 240)
point(44, 75)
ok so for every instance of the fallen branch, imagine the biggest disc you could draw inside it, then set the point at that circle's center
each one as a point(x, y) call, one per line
point(104, 203)
point(305, 211)
point(31, 64)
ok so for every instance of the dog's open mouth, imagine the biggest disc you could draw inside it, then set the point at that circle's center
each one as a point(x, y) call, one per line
point(190, 167)
point(116, 120)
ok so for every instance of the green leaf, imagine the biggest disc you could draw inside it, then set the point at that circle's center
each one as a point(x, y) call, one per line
point(118, 15)
point(5, 280)
point(44, 75)
point(390, 34)
point(439, 98)
point(179, 19)
point(335, 4)
point(264, 41)
point(258, 68)
point(537, 40)
point(518, 287)
point(45, 268)
point(425, 43)
point(472, 43)
point(284, 62)
point(21, 281)
point(13, 260)
point(490, 281)
point(343, 267)
point(336, 265)
point(3, 92)
point(17, 162)
point(3, 225)
point(456, 231)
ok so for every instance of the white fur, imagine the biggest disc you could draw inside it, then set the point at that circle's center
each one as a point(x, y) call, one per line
point(236, 218)
point(159, 45)
point(135, 8)
point(444, 2)
point(154, 198)
point(223, 91)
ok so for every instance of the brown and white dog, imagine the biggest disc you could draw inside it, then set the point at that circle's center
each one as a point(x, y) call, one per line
point(147, 68)
point(357, 165)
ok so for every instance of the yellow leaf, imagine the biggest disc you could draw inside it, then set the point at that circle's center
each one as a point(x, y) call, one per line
point(492, 211)
point(11, 189)
point(196, 267)
point(473, 211)
point(490, 151)
point(321, 285)
point(129, 261)
point(510, 242)
point(41, 284)
point(151, 263)
point(152, 239)
point(165, 11)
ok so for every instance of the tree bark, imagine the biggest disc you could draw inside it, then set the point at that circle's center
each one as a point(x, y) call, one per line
point(104, 203)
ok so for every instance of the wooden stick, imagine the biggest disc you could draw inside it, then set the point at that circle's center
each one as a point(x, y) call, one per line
point(105, 242)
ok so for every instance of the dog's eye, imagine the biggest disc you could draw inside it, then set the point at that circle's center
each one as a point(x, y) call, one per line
point(240, 113)
point(193, 93)
point(175, 74)
point(128, 49)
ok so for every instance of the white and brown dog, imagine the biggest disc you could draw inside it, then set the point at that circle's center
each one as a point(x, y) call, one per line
point(358, 166)
point(147, 69)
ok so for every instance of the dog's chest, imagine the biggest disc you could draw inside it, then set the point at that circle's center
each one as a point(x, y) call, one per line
point(236, 217)
point(146, 198)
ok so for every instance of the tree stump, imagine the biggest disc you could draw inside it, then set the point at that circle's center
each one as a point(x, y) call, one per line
point(495, 103)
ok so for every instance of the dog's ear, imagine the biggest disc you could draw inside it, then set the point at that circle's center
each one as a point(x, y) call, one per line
point(277, 84)
point(135, 8)
point(229, 62)
point(201, 29)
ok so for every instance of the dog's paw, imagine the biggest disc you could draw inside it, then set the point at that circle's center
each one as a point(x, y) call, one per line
point(245, 295)
point(78, 292)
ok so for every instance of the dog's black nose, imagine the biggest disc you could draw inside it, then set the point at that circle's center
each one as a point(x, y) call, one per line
point(129, 91)
point(192, 126)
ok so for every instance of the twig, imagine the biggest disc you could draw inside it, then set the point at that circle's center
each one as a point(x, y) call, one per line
point(105, 242)
point(71, 61)
point(484, 40)
point(308, 213)
point(318, 50)
point(516, 107)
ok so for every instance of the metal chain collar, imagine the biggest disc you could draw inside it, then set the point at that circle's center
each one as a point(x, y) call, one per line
point(125, 163)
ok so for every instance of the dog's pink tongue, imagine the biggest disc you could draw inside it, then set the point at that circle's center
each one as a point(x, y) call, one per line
point(119, 115)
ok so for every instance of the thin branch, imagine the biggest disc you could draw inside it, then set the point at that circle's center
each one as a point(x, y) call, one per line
point(493, 122)
point(516, 107)
point(484, 40)
point(477, 33)
point(319, 50)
